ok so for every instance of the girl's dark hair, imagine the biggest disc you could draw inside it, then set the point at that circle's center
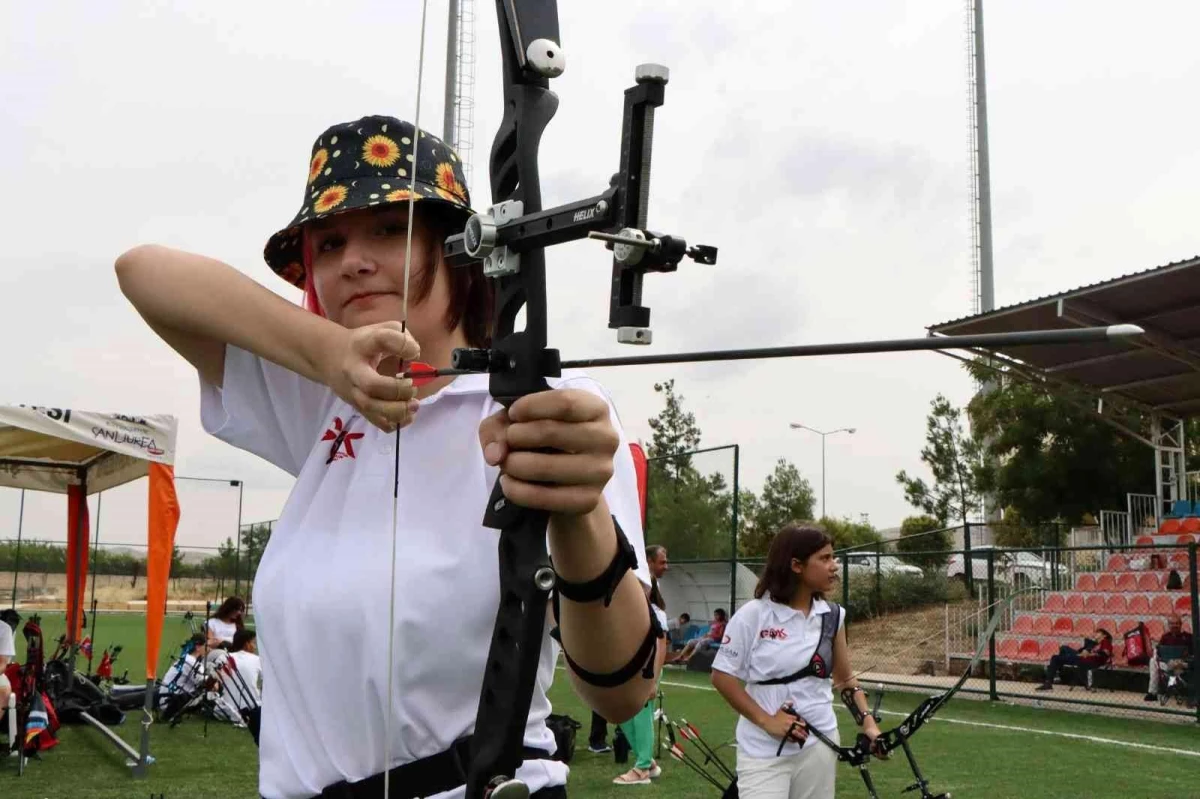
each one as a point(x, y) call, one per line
point(240, 639)
point(794, 541)
point(229, 606)
point(471, 294)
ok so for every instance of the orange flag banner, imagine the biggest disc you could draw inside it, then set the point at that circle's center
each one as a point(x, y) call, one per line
point(77, 560)
point(163, 521)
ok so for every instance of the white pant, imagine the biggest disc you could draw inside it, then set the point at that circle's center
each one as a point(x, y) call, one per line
point(1156, 673)
point(809, 774)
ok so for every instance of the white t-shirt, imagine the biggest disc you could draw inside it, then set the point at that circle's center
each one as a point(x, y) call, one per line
point(327, 568)
point(222, 630)
point(8, 646)
point(764, 640)
point(183, 677)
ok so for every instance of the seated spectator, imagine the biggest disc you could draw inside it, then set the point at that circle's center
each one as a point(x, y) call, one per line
point(1091, 655)
point(1174, 636)
point(225, 622)
point(716, 632)
point(186, 674)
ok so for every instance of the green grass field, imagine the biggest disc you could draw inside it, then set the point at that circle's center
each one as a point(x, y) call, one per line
point(971, 748)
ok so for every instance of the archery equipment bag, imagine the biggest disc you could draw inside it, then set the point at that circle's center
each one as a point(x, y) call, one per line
point(1137, 648)
point(564, 729)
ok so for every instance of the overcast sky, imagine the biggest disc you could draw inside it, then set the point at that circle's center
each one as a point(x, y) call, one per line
point(822, 147)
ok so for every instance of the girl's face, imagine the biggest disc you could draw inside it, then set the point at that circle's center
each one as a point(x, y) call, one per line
point(820, 570)
point(358, 270)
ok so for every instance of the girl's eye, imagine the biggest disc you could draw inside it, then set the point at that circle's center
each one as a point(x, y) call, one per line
point(328, 243)
point(393, 229)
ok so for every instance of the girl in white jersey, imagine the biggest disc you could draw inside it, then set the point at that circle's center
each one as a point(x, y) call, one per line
point(774, 636)
point(316, 391)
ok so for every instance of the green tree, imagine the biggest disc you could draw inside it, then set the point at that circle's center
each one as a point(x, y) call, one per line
point(689, 512)
point(955, 459)
point(847, 533)
point(786, 497)
point(1050, 458)
point(917, 535)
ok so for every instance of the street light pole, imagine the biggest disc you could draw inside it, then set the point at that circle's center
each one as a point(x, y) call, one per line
point(823, 435)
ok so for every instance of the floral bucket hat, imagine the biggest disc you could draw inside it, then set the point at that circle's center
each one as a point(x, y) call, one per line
point(365, 163)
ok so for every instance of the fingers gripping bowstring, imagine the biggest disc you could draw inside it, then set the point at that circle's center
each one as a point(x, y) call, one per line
point(391, 633)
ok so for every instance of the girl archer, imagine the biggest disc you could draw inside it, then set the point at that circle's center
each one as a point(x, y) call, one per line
point(318, 391)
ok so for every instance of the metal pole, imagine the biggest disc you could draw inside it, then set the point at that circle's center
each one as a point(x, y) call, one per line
point(733, 536)
point(17, 563)
point(823, 475)
point(237, 575)
point(991, 590)
point(1195, 619)
point(448, 131)
point(92, 568)
point(986, 281)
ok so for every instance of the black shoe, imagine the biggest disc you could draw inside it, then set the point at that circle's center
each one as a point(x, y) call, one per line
point(599, 749)
point(1151, 697)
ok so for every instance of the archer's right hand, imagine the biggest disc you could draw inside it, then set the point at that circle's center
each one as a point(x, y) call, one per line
point(362, 367)
point(780, 725)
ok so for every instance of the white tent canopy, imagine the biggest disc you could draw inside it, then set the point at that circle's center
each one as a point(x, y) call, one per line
point(50, 449)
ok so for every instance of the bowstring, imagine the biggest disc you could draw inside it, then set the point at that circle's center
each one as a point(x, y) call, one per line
point(412, 192)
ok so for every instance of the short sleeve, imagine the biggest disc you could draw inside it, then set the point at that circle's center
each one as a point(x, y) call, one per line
point(263, 408)
point(621, 493)
point(734, 655)
point(8, 646)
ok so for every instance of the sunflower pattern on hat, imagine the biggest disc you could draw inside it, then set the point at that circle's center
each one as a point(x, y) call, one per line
point(364, 163)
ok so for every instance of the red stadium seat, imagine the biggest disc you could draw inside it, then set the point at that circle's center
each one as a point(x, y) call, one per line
point(1125, 626)
point(1106, 582)
point(1183, 605)
point(1023, 624)
point(1107, 624)
point(1055, 603)
point(1094, 604)
point(1184, 540)
point(1144, 540)
point(1169, 526)
point(1149, 581)
point(1127, 582)
point(1085, 582)
point(1043, 625)
point(1117, 563)
point(1156, 629)
point(1084, 626)
point(1116, 604)
point(1075, 603)
point(1063, 626)
point(1030, 650)
point(1161, 605)
point(1139, 605)
point(1049, 650)
point(1009, 649)
point(1190, 525)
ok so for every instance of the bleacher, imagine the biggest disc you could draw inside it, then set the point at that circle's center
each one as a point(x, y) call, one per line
point(1131, 589)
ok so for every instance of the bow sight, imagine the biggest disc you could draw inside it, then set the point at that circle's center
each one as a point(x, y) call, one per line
point(617, 216)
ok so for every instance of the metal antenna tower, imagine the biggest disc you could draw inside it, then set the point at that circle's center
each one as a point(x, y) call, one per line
point(982, 280)
point(458, 126)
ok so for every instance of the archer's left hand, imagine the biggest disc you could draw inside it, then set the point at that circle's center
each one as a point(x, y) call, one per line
point(573, 423)
point(871, 729)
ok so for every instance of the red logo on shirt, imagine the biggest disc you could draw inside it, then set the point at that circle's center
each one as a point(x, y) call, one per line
point(341, 436)
point(777, 634)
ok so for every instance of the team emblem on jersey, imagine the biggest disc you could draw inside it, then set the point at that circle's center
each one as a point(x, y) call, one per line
point(342, 438)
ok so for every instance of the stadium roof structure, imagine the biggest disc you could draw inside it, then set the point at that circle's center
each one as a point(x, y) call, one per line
point(1158, 372)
